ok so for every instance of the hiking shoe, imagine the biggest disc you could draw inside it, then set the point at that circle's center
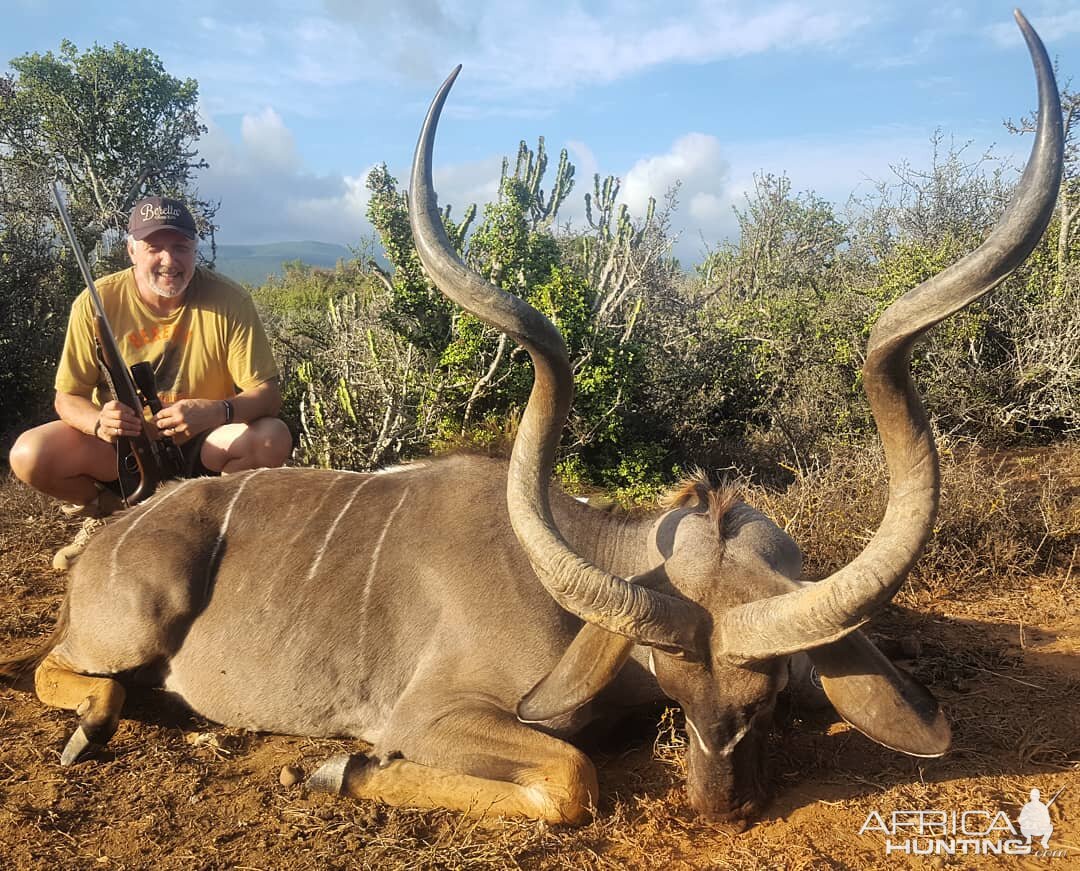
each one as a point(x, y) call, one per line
point(105, 503)
point(65, 558)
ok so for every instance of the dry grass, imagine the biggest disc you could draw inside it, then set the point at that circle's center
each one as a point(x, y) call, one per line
point(1004, 517)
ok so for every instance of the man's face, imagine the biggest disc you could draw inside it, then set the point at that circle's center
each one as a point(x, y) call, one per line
point(164, 262)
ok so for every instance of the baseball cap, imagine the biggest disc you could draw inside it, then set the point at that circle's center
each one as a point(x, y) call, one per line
point(160, 213)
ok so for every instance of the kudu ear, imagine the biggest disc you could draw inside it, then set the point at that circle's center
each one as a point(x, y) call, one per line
point(884, 703)
point(590, 663)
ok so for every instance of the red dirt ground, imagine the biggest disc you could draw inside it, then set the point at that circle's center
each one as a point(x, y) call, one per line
point(173, 791)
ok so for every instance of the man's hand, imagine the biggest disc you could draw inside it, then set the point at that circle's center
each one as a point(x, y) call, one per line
point(189, 417)
point(115, 420)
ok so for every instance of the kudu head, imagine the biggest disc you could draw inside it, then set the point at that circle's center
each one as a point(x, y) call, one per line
point(721, 611)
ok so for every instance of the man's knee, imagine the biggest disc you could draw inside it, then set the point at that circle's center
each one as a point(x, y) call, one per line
point(268, 443)
point(274, 442)
point(262, 443)
point(26, 457)
point(59, 460)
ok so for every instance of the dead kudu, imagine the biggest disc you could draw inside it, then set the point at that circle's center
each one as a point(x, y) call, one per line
point(466, 621)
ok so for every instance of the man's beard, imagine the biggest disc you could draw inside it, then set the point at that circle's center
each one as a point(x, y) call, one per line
point(163, 292)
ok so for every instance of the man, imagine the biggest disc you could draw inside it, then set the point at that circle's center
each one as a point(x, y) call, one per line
point(216, 376)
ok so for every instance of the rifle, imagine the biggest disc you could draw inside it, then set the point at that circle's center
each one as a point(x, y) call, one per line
point(142, 462)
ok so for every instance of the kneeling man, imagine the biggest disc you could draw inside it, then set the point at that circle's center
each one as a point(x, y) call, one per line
point(216, 375)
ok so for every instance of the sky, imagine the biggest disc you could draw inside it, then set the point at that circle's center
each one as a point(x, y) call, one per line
point(302, 98)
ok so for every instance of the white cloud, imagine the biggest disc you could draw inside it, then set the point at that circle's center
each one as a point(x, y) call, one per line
point(472, 182)
point(526, 47)
point(268, 141)
point(515, 50)
point(266, 193)
point(695, 160)
point(585, 165)
point(243, 38)
point(709, 209)
point(697, 163)
point(339, 215)
point(716, 177)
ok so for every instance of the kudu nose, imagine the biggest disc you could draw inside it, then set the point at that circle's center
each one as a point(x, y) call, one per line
point(735, 817)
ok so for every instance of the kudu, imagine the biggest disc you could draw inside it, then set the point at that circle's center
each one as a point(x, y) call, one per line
point(466, 621)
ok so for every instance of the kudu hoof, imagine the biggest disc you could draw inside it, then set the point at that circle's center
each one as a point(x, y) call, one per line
point(78, 747)
point(330, 776)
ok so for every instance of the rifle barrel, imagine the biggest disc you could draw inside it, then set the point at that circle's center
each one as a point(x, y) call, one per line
point(119, 377)
point(76, 249)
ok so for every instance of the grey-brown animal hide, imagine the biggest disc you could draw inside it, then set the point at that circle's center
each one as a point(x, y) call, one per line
point(366, 585)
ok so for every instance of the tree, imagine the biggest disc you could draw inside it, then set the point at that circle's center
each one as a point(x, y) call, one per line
point(35, 291)
point(109, 124)
point(593, 282)
point(356, 392)
point(774, 314)
point(1006, 369)
point(529, 170)
point(1048, 358)
point(1068, 207)
point(419, 312)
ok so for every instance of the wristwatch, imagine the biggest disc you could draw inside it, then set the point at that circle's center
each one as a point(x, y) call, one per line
point(228, 410)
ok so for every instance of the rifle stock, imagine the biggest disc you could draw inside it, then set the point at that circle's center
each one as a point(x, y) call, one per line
point(137, 466)
point(168, 454)
point(142, 462)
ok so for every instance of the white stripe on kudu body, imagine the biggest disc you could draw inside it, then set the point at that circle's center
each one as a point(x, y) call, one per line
point(366, 594)
point(398, 470)
point(692, 729)
point(302, 531)
point(729, 748)
point(382, 538)
point(333, 528)
point(228, 515)
point(153, 506)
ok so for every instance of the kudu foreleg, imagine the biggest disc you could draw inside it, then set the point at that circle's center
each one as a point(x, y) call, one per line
point(97, 701)
point(487, 766)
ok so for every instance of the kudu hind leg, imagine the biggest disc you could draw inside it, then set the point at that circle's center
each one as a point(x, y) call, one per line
point(97, 701)
point(489, 765)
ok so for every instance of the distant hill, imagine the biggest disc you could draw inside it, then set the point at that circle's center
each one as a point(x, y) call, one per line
point(251, 264)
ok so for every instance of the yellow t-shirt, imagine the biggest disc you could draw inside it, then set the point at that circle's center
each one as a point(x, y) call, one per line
point(210, 347)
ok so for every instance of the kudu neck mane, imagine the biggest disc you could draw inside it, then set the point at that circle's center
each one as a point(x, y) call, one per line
point(628, 542)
